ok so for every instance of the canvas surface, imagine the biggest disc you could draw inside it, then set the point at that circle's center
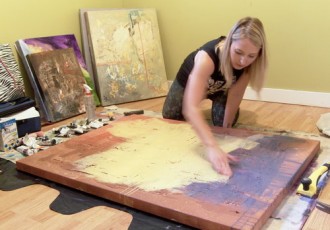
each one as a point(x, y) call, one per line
point(60, 80)
point(11, 81)
point(173, 180)
point(126, 55)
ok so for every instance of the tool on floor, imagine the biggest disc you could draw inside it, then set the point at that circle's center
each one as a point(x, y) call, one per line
point(133, 112)
point(308, 186)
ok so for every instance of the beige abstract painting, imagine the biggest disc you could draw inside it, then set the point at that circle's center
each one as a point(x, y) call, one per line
point(126, 55)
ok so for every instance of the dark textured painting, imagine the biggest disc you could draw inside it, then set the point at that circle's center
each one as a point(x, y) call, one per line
point(60, 79)
point(61, 42)
point(40, 44)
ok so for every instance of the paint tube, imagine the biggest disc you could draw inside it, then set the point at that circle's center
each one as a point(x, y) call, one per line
point(96, 124)
point(63, 132)
point(26, 150)
point(79, 130)
point(30, 142)
point(48, 142)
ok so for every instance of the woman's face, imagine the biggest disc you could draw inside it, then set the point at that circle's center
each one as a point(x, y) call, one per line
point(242, 53)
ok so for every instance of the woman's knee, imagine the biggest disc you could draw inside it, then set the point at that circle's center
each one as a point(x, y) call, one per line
point(218, 117)
point(218, 110)
point(172, 108)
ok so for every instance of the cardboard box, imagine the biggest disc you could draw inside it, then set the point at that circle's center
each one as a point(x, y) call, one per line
point(9, 134)
point(27, 121)
point(15, 106)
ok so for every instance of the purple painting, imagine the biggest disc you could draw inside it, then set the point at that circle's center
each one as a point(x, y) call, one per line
point(29, 46)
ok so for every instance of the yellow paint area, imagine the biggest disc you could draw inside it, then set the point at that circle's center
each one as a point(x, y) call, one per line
point(156, 155)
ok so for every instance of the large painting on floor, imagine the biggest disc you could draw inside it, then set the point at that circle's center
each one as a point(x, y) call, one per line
point(126, 54)
point(125, 163)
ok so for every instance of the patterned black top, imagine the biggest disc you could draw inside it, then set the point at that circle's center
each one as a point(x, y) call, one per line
point(217, 81)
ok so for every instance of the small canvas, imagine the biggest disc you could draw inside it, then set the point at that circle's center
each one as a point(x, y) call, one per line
point(40, 44)
point(23, 51)
point(59, 78)
point(11, 81)
point(126, 54)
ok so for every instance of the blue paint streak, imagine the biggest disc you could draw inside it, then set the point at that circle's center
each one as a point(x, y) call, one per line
point(258, 168)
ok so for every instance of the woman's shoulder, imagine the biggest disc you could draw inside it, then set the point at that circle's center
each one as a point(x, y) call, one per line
point(210, 49)
point(210, 46)
point(212, 43)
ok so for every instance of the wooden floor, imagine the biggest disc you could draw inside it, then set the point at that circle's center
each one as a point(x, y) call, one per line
point(28, 208)
point(252, 113)
point(257, 113)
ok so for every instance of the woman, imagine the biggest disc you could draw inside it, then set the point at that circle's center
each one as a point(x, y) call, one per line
point(220, 70)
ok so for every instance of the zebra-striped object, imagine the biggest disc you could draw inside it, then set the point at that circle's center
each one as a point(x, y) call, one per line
point(11, 81)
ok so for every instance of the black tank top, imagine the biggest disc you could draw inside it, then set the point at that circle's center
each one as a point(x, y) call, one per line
point(217, 80)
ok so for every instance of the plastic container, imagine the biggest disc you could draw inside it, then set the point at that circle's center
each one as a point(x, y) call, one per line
point(89, 103)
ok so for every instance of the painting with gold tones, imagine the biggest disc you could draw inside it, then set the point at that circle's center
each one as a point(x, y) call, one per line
point(126, 55)
point(60, 79)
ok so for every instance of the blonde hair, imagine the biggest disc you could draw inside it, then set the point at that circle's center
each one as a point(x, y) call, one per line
point(251, 28)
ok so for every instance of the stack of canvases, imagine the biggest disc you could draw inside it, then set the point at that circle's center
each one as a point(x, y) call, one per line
point(57, 73)
point(14, 105)
point(124, 61)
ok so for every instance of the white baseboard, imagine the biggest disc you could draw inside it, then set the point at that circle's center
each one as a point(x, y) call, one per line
point(285, 96)
point(318, 99)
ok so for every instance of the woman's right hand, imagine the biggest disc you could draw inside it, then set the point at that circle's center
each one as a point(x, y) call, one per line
point(220, 160)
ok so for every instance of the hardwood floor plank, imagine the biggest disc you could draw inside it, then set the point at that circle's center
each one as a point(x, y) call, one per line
point(28, 208)
point(257, 113)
